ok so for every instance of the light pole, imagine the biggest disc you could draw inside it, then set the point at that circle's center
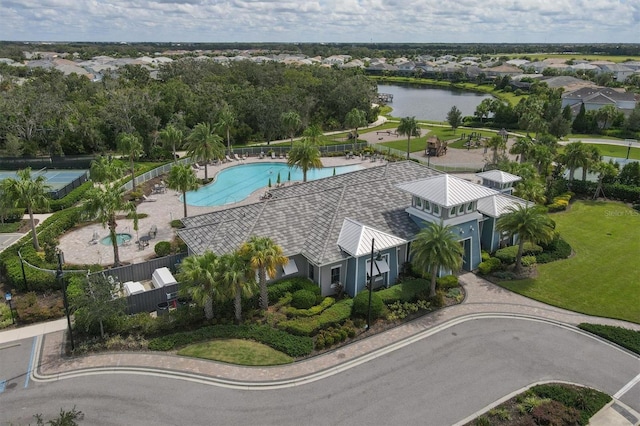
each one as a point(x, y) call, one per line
point(628, 150)
point(63, 285)
point(373, 244)
point(8, 297)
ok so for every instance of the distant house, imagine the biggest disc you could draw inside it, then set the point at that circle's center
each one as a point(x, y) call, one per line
point(503, 70)
point(326, 227)
point(594, 98)
point(620, 72)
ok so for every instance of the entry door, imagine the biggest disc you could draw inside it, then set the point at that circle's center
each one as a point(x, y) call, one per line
point(466, 254)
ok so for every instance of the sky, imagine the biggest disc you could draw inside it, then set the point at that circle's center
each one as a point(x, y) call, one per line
point(339, 21)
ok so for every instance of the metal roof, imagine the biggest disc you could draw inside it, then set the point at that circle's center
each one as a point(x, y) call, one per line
point(446, 190)
point(499, 204)
point(499, 176)
point(355, 238)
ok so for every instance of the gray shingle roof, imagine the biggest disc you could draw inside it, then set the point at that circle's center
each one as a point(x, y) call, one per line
point(307, 218)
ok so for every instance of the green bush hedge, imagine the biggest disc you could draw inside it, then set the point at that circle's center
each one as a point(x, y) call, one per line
point(361, 305)
point(70, 199)
point(162, 249)
point(303, 299)
point(314, 310)
point(507, 255)
point(587, 401)
point(290, 285)
point(447, 282)
point(295, 346)
point(334, 315)
point(629, 339)
point(407, 291)
point(555, 250)
point(489, 266)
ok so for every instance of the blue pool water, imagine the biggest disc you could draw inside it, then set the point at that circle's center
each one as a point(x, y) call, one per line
point(120, 238)
point(238, 182)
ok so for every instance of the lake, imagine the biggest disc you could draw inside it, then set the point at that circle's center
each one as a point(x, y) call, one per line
point(429, 102)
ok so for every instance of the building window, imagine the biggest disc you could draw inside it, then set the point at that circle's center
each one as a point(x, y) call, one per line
point(461, 209)
point(418, 202)
point(335, 274)
point(427, 206)
point(452, 212)
point(311, 273)
point(436, 210)
point(469, 207)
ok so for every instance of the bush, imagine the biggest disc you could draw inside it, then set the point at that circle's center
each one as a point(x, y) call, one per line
point(489, 266)
point(485, 256)
point(163, 248)
point(437, 301)
point(314, 310)
point(291, 285)
point(629, 339)
point(303, 299)
point(68, 200)
point(31, 310)
point(507, 255)
point(334, 315)
point(177, 223)
point(554, 413)
point(295, 346)
point(447, 282)
point(361, 305)
point(588, 401)
point(555, 250)
point(528, 260)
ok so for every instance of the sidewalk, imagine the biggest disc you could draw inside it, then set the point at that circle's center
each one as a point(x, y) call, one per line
point(483, 299)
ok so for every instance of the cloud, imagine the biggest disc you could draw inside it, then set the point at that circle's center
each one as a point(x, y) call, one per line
point(322, 20)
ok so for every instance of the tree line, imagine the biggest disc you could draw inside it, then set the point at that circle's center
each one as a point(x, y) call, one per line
point(64, 115)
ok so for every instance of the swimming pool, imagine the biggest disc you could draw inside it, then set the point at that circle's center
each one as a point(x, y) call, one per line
point(238, 182)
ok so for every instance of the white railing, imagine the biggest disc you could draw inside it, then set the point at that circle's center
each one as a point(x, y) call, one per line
point(158, 171)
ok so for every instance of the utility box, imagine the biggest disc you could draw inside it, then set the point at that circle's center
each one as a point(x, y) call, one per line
point(162, 277)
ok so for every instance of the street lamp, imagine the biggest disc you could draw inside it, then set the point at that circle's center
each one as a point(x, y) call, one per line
point(7, 297)
point(63, 285)
point(373, 243)
point(629, 149)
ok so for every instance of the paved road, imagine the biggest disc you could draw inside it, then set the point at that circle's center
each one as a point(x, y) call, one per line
point(438, 380)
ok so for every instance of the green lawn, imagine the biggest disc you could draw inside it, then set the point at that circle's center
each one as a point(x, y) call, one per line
point(236, 351)
point(617, 151)
point(416, 144)
point(603, 277)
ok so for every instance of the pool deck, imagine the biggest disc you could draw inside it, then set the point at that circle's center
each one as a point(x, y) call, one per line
point(78, 248)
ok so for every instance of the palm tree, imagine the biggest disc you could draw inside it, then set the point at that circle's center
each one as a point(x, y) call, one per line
point(305, 156)
point(542, 156)
point(603, 169)
point(226, 120)
point(436, 247)
point(237, 278)
point(292, 123)
point(356, 118)
point(265, 256)
point(130, 146)
point(182, 178)
point(532, 190)
point(314, 135)
point(529, 223)
point(204, 145)
point(496, 143)
point(171, 137)
point(200, 274)
point(522, 147)
point(104, 169)
point(592, 159)
point(28, 193)
point(104, 203)
point(408, 127)
point(574, 156)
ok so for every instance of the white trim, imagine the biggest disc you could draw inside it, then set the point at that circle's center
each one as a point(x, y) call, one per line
point(331, 273)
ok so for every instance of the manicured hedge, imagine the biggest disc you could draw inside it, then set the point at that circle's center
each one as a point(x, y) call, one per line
point(303, 299)
point(36, 280)
point(361, 305)
point(70, 199)
point(314, 310)
point(447, 282)
point(295, 346)
point(586, 400)
point(490, 265)
point(507, 255)
point(557, 249)
point(334, 315)
point(617, 191)
point(290, 285)
point(407, 291)
point(629, 339)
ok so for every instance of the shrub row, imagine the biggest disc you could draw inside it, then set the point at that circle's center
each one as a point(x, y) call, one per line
point(295, 346)
point(331, 336)
point(291, 285)
point(555, 250)
point(507, 255)
point(490, 265)
point(407, 291)
point(629, 339)
point(303, 299)
point(447, 282)
point(37, 280)
point(587, 401)
point(332, 316)
point(627, 193)
point(560, 203)
point(314, 310)
point(361, 305)
point(70, 199)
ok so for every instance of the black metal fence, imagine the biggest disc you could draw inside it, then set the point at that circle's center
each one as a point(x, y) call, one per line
point(55, 162)
point(59, 193)
point(283, 149)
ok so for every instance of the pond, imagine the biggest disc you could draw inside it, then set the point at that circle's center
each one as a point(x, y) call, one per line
point(429, 102)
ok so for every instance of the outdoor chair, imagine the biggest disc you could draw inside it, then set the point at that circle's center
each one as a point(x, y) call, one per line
point(235, 156)
point(228, 158)
point(148, 199)
point(273, 155)
point(153, 231)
